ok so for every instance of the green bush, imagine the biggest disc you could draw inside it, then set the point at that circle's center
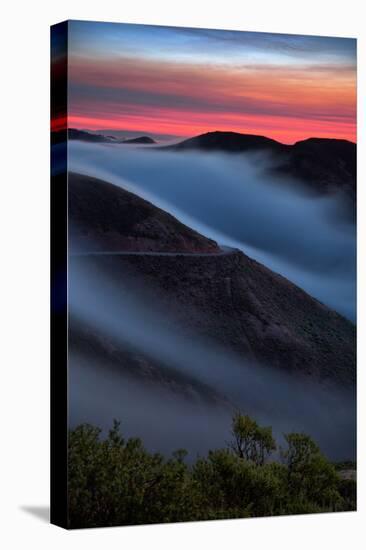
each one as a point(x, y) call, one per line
point(113, 481)
point(311, 478)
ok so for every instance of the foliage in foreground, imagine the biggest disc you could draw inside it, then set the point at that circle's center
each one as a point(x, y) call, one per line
point(113, 481)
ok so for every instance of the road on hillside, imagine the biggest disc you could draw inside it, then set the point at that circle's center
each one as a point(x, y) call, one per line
point(224, 251)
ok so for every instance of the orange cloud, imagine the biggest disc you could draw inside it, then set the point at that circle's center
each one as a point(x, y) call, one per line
point(283, 102)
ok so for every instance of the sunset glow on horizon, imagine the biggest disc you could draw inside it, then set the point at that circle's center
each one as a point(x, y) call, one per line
point(183, 82)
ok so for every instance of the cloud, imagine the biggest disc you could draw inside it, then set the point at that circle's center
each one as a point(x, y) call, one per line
point(204, 45)
point(126, 315)
point(288, 102)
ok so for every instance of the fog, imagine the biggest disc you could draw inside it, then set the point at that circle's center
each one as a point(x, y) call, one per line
point(234, 200)
point(128, 314)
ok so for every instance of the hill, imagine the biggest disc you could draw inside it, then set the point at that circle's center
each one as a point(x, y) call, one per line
point(326, 166)
point(82, 135)
point(230, 142)
point(143, 140)
point(228, 298)
point(105, 217)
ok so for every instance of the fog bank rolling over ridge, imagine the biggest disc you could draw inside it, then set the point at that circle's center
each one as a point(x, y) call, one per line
point(116, 312)
point(235, 201)
point(184, 341)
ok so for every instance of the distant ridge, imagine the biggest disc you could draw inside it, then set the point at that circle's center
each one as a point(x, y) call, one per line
point(324, 165)
point(83, 135)
point(73, 133)
point(232, 142)
point(143, 140)
point(241, 142)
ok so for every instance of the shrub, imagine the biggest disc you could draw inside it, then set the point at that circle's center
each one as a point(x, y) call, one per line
point(113, 481)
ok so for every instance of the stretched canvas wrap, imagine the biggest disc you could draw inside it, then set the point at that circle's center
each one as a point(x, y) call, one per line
point(203, 197)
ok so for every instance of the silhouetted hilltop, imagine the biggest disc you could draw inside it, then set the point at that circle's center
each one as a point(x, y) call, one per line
point(144, 140)
point(324, 165)
point(107, 218)
point(82, 135)
point(231, 142)
point(73, 134)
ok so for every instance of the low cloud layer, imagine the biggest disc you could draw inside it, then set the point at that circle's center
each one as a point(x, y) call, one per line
point(127, 315)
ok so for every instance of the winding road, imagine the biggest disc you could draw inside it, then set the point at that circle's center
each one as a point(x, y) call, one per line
point(224, 251)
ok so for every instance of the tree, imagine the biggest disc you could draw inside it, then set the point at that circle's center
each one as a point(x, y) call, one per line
point(116, 481)
point(310, 476)
point(251, 441)
point(301, 448)
point(265, 444)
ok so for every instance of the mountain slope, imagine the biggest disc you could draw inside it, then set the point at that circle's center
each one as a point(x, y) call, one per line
point(228, 299)
point(105, 217)
point(246, 308)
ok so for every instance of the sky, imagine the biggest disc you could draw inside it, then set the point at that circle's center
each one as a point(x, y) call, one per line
point(182, 82)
